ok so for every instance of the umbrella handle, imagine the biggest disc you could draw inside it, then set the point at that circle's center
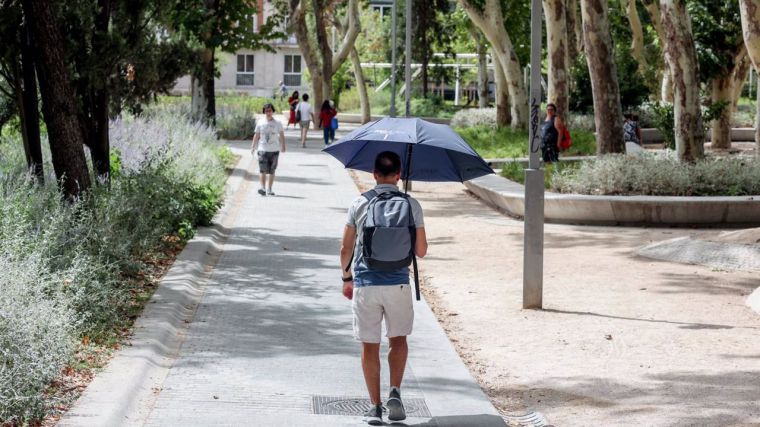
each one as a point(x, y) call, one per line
point(408, 167)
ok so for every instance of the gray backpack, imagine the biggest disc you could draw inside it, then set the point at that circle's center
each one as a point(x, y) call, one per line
point(389, 233)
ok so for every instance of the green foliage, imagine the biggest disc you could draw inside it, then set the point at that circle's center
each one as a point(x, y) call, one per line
point(633, 90)
point(64, 266)
point(717, 31)
point(662, 116)
point(236, 115)
point(506, 143)
point(664, 120)
point(515, 171)
point(662, 175)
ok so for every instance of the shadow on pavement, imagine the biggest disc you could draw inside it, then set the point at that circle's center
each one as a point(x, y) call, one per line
point(480, 420)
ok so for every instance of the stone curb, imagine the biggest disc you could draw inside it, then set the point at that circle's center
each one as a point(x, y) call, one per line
point(124, 392)
point(509, 197)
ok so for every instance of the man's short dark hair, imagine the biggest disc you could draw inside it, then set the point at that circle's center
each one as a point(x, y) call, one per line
point(267, 105)
point(388, 163)
point(305, 97)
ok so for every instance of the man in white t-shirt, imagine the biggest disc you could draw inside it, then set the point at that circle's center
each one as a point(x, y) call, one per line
point(307, 116)
point(267, 147)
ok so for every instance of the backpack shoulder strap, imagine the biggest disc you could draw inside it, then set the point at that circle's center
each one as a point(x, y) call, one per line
point(369, 195)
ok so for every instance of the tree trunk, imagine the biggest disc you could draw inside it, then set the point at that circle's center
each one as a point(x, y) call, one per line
point(64, 132)
point(608, 115)
point(684, 68)
point(666, 82)
point(320, 60)
point(491, 22)
point(503, 116)
point(202, 89)
point(556, 32)
point(28, 104)
point(666, 86)
point(574, 32)
point(722, 91)
point(637, 32)
point(100, 149)
point(198, 99)
point(482, 74)
point(757, 119)
point(750, 11)
point(209, 88)
point(361, 86)
point(480, 46)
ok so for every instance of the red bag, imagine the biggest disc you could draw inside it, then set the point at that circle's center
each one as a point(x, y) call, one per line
point(566, 142)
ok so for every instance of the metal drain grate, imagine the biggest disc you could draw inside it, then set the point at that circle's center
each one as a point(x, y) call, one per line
point(531, 419)
point(337, 405)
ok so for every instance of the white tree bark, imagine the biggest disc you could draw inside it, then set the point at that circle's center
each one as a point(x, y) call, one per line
point(503, 116)
point(320, 60)
point(480, 45)
point(608, 114)
point(490, 20)
point(361, 85)
point(750, 11)
point(666, 81)
point(574, 32)
point(684, 67)
point(556, 35)
point(637, 32)
point(723, 90)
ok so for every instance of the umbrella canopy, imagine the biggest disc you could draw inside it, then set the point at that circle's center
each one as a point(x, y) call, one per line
point(437, 152)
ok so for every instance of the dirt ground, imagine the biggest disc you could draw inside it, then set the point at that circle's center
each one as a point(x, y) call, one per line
point(621, 341)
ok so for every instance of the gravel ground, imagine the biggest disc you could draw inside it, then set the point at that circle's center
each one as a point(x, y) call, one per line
point(622, 340)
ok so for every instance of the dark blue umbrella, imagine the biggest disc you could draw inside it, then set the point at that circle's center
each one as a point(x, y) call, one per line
point(429, 151)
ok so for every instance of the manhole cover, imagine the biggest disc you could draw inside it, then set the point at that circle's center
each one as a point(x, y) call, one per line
point(332, 405)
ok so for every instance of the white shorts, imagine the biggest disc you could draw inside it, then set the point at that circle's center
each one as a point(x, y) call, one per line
point(371, 304)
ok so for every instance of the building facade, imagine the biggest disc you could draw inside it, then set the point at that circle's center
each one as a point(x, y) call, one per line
point(257, 72)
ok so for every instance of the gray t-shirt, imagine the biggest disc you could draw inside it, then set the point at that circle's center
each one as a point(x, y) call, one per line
point(269, 135)
point(357, 215)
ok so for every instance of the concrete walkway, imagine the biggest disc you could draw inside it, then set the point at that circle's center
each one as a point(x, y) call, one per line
point(269, 342)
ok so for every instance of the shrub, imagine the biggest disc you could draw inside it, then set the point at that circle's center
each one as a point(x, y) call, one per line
point(495, 143)
point(473, 117)
point(662, 174)
point(63, 265)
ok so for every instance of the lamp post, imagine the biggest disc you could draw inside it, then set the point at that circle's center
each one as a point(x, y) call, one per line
point(533, 249)
point(392, 111)
point(408, 59)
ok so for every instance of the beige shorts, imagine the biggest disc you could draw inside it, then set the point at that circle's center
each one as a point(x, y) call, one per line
point(305, 124)
point(371, 304)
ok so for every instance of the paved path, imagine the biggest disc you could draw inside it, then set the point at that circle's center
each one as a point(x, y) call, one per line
point(271, 336)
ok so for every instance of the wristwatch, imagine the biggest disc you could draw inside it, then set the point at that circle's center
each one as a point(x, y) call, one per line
point(348, 279)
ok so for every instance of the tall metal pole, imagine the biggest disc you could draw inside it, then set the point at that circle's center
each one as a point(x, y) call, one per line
point(394, 11)
point(408, 59)
point(533, 252)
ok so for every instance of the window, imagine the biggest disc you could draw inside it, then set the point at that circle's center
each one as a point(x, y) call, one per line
point(383, 9)
point(292, 76)
point(244, 70)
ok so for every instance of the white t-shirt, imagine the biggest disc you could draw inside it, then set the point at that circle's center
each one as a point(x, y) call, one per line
point(269, 135)
point(305, 109)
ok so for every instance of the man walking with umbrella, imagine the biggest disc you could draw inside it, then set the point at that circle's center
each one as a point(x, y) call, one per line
point(382, 220)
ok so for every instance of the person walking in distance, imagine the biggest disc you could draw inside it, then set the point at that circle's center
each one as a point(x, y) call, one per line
point(552, 132)
point(326, 115)
point(292, 103)
point(268, 141)
point(379, 288)
point(304, 117)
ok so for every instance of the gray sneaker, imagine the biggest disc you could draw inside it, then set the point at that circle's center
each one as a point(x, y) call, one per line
point(374, 416)
point(395, 407)
point(262, 192)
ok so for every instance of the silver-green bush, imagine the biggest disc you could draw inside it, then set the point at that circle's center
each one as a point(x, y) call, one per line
point(661, 175)
point(472, 117)
point(62, 265)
